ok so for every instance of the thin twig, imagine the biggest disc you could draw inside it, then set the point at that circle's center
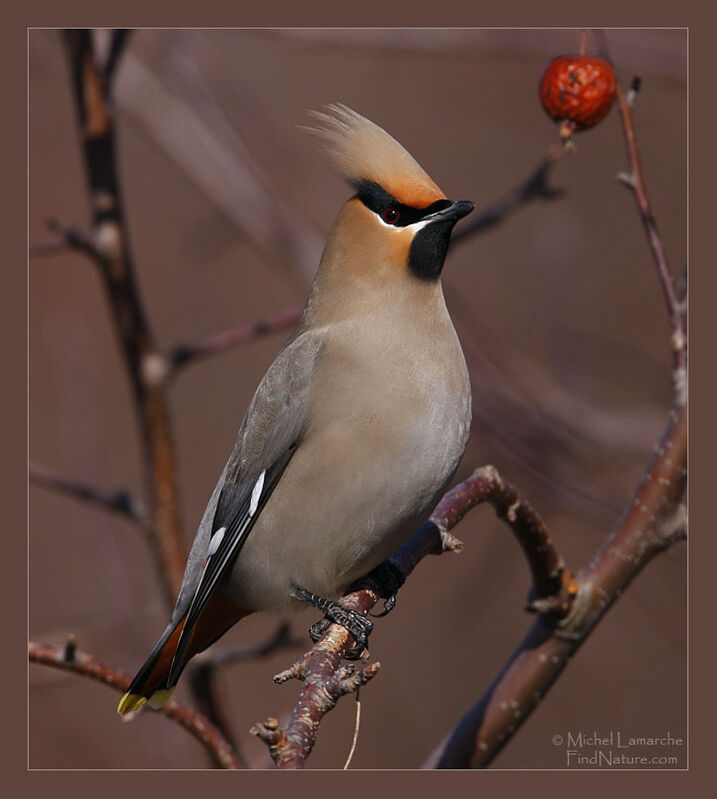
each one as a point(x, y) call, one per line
point(208, 700)
point(635, 181)
point(280, 639)
point(357, 727)
point(535, 186)
point(185, 354)
point(70, 659)
point(121, 502)
point(118, 43)
point(205, 668)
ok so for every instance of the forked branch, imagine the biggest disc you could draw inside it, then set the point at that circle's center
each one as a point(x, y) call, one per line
point(326, 678)
point(655, 519)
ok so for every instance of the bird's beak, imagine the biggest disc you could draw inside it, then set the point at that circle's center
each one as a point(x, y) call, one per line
point(455, 211)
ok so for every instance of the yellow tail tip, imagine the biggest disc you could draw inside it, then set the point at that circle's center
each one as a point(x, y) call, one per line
point(132, 702)
point(129, 703)
point(158, 698)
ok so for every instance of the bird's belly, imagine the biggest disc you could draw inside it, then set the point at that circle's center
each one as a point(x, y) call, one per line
point(351, 495)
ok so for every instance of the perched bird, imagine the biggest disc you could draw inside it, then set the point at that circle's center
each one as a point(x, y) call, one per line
point(356, 428)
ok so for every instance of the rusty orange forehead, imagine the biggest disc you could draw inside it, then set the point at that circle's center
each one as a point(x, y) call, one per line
point(415, 193)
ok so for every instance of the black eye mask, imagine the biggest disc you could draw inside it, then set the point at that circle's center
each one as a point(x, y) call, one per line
point(391, 211)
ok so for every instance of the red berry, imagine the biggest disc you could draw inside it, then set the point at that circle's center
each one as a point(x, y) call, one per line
point(578, 89)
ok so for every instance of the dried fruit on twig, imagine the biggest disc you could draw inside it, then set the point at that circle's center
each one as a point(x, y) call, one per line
point(577, 90)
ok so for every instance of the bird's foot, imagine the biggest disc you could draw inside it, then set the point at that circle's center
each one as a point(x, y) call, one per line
point(356, 623)
point(384, 580)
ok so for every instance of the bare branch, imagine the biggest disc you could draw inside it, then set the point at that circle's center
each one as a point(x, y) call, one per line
point(553, 584)
point(636, 182)
point(108, 244)
point(70, 659)
point(281, 638)
point(325, 678)
point(120, 502)
point(654, 521)
point(118, 43)
point(535, 186)
point(75, 238)
point(206, 665)
point(184, 354)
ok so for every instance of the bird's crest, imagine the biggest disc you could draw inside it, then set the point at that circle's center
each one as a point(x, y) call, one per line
point(365, 152)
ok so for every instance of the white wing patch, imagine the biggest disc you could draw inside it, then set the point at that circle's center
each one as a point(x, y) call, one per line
point(256, 494)
point(216, 539)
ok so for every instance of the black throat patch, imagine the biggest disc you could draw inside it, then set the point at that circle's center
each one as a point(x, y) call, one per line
point(428, 250)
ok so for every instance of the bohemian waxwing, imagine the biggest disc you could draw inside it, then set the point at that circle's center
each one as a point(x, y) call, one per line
point(355, 430)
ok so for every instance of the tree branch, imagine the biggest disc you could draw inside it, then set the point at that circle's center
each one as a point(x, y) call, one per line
point(535, 186)
point(325, 680)
point(72, 660)
point(184, 354)
point(45, 248)
point(635, 181)
point(324, 676)
point(108, 245)
point(654, 521)
point(553, 584)
point(120, 502)
point(205, 667)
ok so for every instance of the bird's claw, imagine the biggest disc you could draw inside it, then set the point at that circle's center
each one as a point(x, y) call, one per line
point(384, 580)
point(388, 605)
point(358, 626)
point(317, 630)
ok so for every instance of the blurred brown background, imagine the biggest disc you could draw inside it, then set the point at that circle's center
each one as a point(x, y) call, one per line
point(560, 315)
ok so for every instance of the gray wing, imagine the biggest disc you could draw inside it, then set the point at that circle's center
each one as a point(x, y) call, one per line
point(268, 437)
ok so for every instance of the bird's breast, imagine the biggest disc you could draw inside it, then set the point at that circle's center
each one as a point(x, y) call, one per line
point(384, 366)
point(387, 423)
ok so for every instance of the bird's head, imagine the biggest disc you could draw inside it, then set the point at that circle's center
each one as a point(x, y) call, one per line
point(398, 221)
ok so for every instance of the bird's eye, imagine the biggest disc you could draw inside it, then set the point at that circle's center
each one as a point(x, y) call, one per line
point(390, 215)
